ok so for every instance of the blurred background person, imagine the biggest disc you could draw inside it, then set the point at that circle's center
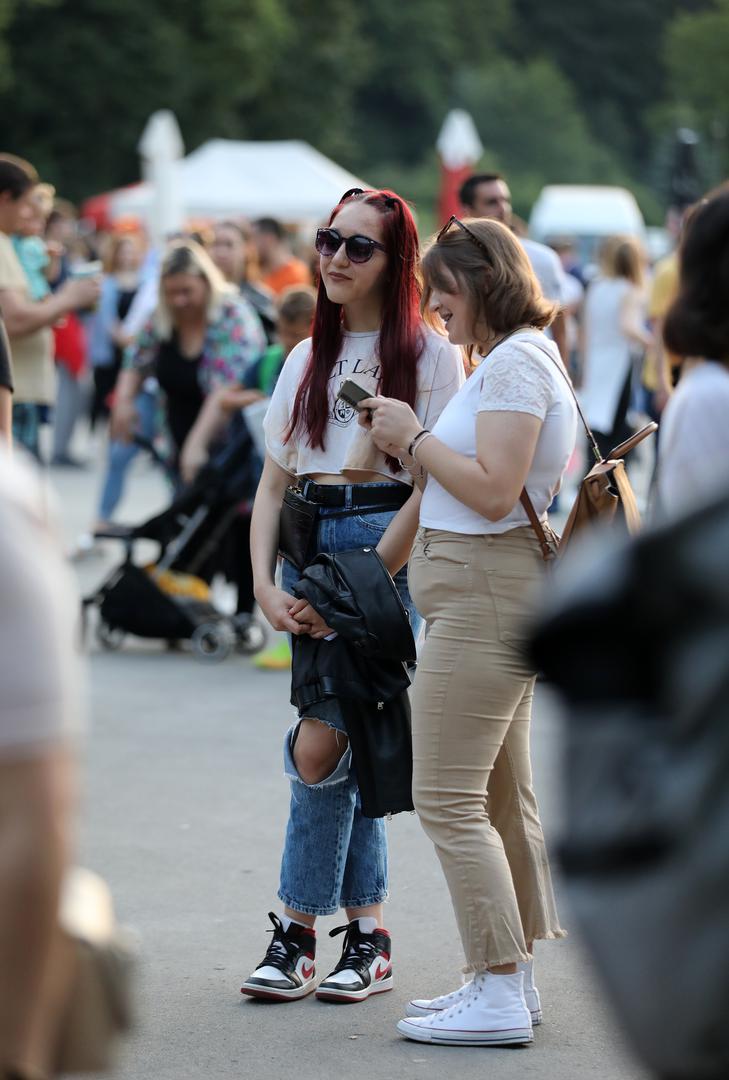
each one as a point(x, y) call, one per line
point(487, 195)
point(201, 336)
point(279, 267)
point(30, 245)
point(693, 463)
point(230, 251)
point(28, 321)
point(39, 721)
point(6, 390)
point(107, 338)
point(573, 295)
point(614, 334)
point(296, 309)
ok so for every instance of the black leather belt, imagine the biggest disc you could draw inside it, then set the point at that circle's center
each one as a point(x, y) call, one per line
point(361, 494)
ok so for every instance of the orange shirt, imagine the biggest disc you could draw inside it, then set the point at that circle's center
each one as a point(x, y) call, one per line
point(294, 272)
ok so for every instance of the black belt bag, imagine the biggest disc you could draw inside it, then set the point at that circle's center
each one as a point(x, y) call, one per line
point(299, 514)
point(297, 525)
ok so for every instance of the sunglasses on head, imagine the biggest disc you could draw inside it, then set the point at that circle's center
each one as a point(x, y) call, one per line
point(453, 220)
point(359, 249)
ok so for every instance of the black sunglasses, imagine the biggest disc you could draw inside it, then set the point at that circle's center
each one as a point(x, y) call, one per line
point(453, 220)
point(359, 249)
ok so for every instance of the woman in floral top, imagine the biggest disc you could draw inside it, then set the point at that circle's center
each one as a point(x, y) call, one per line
point(203, 335)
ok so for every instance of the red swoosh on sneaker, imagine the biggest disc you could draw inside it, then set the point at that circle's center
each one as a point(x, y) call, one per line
point(307, 972)
point(382, 971)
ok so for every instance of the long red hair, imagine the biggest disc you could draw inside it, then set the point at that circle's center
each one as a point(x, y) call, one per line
point(401, 339)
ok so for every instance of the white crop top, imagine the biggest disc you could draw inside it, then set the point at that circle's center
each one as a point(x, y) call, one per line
point(347, 446)
point(516, 377)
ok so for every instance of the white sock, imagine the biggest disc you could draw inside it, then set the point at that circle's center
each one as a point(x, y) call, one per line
point(286, 921)
point(367, 925)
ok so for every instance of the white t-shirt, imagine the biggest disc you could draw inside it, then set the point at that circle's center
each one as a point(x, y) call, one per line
point(548, 269)
point(517, 376)
point(39, 610)
point(693, 451)
point(347, 446)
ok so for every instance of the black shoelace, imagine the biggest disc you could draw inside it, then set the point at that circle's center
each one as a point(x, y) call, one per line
point(358, 950)
point(282, 951)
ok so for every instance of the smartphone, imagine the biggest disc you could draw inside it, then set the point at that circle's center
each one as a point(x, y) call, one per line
point(353, 393)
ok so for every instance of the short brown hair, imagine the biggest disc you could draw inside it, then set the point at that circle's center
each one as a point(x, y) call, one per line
point(297, 302)
point(16, 175)
point(497, 278)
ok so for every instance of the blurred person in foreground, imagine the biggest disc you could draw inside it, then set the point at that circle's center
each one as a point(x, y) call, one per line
point(614, 333)
point(6, 390)
point(487, 195)
point(637, 641)
point(39, 721)
point(279, 267)
point(693, 460)
point(28, 321)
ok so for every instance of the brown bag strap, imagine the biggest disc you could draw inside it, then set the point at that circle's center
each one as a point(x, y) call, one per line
point(548, 551)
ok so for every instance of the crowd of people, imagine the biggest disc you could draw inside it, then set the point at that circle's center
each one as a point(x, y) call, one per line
point(460, 355)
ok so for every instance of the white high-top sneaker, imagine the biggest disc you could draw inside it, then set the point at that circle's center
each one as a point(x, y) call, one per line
point(491, 1012)
point(426, 1006)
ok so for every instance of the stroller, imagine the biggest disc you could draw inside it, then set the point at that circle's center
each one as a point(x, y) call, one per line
point(170, 598)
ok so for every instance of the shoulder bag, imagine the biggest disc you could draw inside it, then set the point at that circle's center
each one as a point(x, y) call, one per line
point(603, 492)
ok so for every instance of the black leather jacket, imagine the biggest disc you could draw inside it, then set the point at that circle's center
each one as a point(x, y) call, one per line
point(363, 670)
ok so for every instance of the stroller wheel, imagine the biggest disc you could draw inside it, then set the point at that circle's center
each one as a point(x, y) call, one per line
point(250, 635)
point(212, 642)
point(109, 637)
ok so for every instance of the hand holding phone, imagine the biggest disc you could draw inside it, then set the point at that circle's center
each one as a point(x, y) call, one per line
point(352, 393)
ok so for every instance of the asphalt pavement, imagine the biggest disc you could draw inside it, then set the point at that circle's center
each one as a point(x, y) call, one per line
point(183, 812)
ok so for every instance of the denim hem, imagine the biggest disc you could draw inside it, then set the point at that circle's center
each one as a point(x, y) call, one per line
point(309, 909)
point(368, 901)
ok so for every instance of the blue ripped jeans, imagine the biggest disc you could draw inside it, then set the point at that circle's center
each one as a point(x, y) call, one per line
point(333, 856)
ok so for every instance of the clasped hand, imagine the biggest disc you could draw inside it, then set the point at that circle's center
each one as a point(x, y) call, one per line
point(309, 620)
point(393, 424)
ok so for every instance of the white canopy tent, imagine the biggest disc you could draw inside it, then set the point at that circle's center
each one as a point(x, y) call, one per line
point(223, 178)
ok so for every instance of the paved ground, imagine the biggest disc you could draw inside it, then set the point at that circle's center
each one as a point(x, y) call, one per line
point(183, 812)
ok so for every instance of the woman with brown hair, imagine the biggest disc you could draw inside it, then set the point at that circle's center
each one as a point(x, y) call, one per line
point(614, 332)
point(473, 569)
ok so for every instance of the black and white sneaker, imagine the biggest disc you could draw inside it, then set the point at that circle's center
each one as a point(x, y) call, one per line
point(287, 971)
point(365, 967)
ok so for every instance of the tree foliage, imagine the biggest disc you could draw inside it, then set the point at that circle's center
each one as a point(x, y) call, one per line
point(704, 84)
point(559, 91)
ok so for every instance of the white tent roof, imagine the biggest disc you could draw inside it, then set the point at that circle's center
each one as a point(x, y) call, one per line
point(288, 180)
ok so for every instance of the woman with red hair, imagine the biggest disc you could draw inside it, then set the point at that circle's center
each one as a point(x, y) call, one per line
point(367, 327)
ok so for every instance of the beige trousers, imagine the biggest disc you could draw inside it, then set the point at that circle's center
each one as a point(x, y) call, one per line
point(472, 700)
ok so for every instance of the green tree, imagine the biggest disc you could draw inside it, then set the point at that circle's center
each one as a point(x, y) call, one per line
point(611, 51)
point(697, 47)
point(86, 76)
point(417, 52)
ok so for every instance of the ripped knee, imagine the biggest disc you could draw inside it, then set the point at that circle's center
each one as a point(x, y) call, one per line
point(316, 750)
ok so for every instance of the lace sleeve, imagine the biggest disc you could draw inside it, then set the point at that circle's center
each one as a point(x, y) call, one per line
point(516, 380)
